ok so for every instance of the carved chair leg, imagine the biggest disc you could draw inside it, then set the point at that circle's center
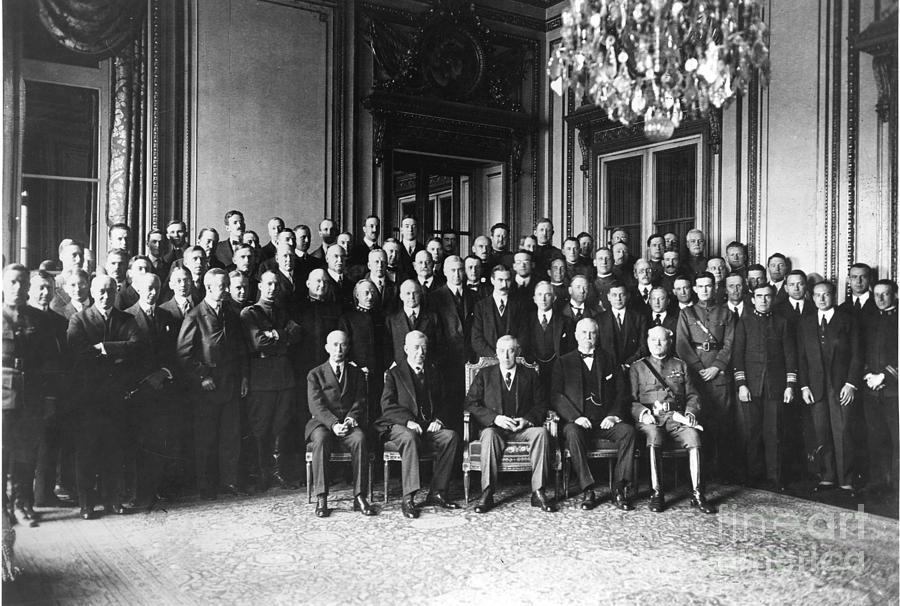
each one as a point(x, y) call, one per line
point(386, 476)
point(308, 482)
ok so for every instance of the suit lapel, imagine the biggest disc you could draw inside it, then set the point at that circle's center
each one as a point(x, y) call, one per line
point(406, 380)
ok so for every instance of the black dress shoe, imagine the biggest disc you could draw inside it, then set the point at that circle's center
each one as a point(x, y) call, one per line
point(820, 487)
point(322, 510)
point(87, 513)
point(699, 501)
point(589, 501)
point(486, 503)
point(621, 500)
point(408, 506)
point(657, 501)
point(438, 499)
point(234, 490)
point(114, 508)
point(361, 504)
point(539, 499)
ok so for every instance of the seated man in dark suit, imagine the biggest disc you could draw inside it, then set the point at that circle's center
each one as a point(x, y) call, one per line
point(664, 403)
point(413, 408)
point(587, 392)
point(336, 390)
point(507, 400)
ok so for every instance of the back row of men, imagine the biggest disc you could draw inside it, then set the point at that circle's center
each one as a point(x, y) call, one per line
point(751, 339)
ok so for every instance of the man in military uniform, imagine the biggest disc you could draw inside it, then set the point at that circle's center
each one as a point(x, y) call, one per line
point(704, 339)
point(664, 403)
point(269, 333)
point(765, 373)
point(588, 393)
point(27, 342)
point(414, 414)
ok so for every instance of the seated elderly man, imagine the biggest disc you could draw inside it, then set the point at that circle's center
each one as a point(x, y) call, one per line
point(588, 393)
point(336, 390)
point(665, 403)
point(414, 411)
point(508, 401)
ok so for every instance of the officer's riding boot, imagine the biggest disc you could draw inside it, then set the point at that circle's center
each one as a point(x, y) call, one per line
point(278, 456)
point(657, 499)
point(698, 499)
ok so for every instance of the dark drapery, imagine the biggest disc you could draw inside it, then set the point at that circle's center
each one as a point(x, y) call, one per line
point(96, 27)
point(127, 141)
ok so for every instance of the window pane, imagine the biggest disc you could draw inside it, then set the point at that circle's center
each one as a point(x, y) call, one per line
point(623, 196)
point(676, 189)
point(60, 130)
point(57, 209)
point(676, 183)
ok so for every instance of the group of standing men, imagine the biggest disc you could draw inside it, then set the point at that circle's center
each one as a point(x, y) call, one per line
point(211, 364)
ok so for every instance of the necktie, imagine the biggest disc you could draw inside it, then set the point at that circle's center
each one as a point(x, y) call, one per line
point(658, 320)
point(822, 326)
point(646, 294)
point(339, 373)
point(508, 380)
point(734, 314)
point(420, 375)
point(619, 321)
point(186, 307)
point(412, 319)
point(502, 307)
point(544, 322)
point(577, 313)
point(797, 309)
point(457, 298)
point(856, 304)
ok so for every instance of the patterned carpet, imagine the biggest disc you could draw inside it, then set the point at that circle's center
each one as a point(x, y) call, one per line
point(762, 548)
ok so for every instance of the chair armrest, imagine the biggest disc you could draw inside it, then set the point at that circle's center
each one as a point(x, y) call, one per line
point(551, 423)
point(467, 419)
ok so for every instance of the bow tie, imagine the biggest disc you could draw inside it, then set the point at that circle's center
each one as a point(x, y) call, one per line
point(585, 356)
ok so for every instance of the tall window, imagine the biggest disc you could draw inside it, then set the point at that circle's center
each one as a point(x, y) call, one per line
point(59, 166)
point(653, 189)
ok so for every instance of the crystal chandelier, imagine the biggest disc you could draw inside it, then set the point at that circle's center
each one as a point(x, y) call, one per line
point(659, 59)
